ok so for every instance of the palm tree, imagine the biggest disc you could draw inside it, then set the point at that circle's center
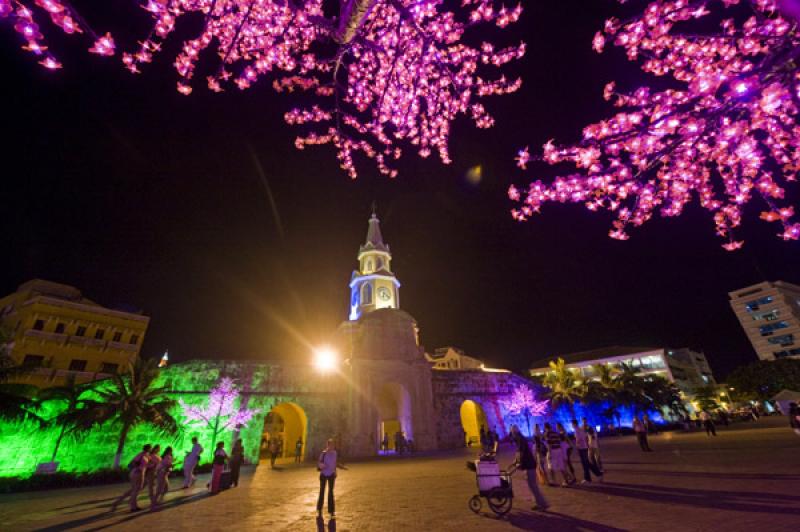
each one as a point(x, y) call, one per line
point(127, 401)
point(70, 393)
point(663, 395)
point(16, 400)
point(565, 386)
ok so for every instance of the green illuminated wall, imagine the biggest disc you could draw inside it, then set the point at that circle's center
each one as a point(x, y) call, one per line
point(24, 445)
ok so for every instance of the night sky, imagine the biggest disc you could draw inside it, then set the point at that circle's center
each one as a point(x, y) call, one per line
point(147, 199)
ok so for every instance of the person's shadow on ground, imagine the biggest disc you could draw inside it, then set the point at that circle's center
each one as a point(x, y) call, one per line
point(722, 500)
point(321, 524)
point(115, 518)
point(552, 521)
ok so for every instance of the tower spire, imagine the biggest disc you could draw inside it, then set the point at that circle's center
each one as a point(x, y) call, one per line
point(374, 238)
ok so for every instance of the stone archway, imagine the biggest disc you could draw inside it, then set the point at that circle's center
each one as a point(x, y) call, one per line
point(472, 419)
point(394, 413)
point(287, 422)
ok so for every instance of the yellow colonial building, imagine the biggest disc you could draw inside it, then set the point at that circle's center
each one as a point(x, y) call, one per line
point(57, 333)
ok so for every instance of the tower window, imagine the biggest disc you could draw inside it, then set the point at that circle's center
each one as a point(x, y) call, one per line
point(366, 294)
point(378, 263)
point(368, 266)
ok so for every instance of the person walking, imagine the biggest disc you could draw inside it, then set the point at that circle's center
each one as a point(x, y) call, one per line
point(794, 417)
point(137, 467)
point(385, 442)
point(594, 445)
point(220, 457)
point(162, 477)
point(555, 456)
point(327, 465)
point(582, 443)
point(237, 458)
point(190, 462)
point(641, 434)
point(298, 450)
point(540, 445)
point(153, 460)
point(567, 448)
point(526, 461)
point(274, 451)
point(708, 423)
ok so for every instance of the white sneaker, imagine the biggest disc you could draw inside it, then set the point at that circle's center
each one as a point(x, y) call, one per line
point(584, 482)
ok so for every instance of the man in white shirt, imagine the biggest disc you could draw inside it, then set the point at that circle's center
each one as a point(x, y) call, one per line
point(191, 462)
point(582, 443)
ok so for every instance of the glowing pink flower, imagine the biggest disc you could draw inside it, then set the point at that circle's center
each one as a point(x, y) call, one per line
point(727, 132)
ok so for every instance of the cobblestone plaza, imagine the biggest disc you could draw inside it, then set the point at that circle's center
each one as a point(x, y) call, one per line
point(747, 478)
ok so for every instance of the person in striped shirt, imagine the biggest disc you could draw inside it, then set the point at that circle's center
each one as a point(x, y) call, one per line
point(555, 456)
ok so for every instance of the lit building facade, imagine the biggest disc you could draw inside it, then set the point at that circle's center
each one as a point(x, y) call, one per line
point(770, 316)
point(686, 368)
point(58, 333)
point(452, 358)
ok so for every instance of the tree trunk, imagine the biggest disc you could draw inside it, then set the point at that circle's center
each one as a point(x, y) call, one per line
point(352, 15)
point(58, 442)
point(121, 445)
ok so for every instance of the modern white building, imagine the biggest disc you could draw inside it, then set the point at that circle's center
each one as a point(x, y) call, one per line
point(686, 368)
point(770, 316)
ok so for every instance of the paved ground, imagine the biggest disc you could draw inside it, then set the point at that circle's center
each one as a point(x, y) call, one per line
point(748, 478)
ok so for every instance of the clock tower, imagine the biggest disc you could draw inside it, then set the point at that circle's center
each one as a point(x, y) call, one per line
point(373, 285)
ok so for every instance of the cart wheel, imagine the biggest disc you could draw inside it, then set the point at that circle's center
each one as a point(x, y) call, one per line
point(475, 503)
point(500, 501)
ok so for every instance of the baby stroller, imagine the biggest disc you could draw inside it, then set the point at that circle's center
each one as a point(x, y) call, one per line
point(494, 485)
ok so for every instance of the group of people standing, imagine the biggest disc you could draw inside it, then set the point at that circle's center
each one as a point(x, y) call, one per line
point(549, 453)
point(150, 468)
point(401, 443)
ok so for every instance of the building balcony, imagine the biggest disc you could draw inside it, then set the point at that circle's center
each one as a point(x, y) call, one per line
point(46, 336)
point(87, 342)
point(122, 346)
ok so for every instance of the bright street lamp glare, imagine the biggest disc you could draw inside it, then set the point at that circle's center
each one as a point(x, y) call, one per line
point(326, 359)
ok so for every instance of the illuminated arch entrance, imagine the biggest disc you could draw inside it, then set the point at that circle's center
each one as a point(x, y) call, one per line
point(394, 414)
point(472, 419)
point(287, 422)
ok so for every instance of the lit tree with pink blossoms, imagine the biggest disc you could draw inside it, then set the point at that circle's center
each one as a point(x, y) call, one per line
point(381, 76)
point(221, 413)
point(726, 131)
point(523, 402)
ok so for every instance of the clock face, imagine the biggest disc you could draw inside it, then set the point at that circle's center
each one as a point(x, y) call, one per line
point(384, 293)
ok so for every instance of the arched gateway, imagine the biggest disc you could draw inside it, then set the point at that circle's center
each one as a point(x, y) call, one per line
point(286, 422)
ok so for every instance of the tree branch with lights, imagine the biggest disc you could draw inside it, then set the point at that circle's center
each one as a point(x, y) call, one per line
point(221, 413)
point(725, 132)
point(381, 76)
point(523, 402)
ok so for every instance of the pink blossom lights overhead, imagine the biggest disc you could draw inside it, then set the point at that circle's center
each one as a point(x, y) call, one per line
point(382, 76)
point(725, 133)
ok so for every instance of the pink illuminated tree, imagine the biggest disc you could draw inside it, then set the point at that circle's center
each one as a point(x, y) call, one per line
point(221, 413)
point(523, 402)
point(381, 76)
point(725, 130)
